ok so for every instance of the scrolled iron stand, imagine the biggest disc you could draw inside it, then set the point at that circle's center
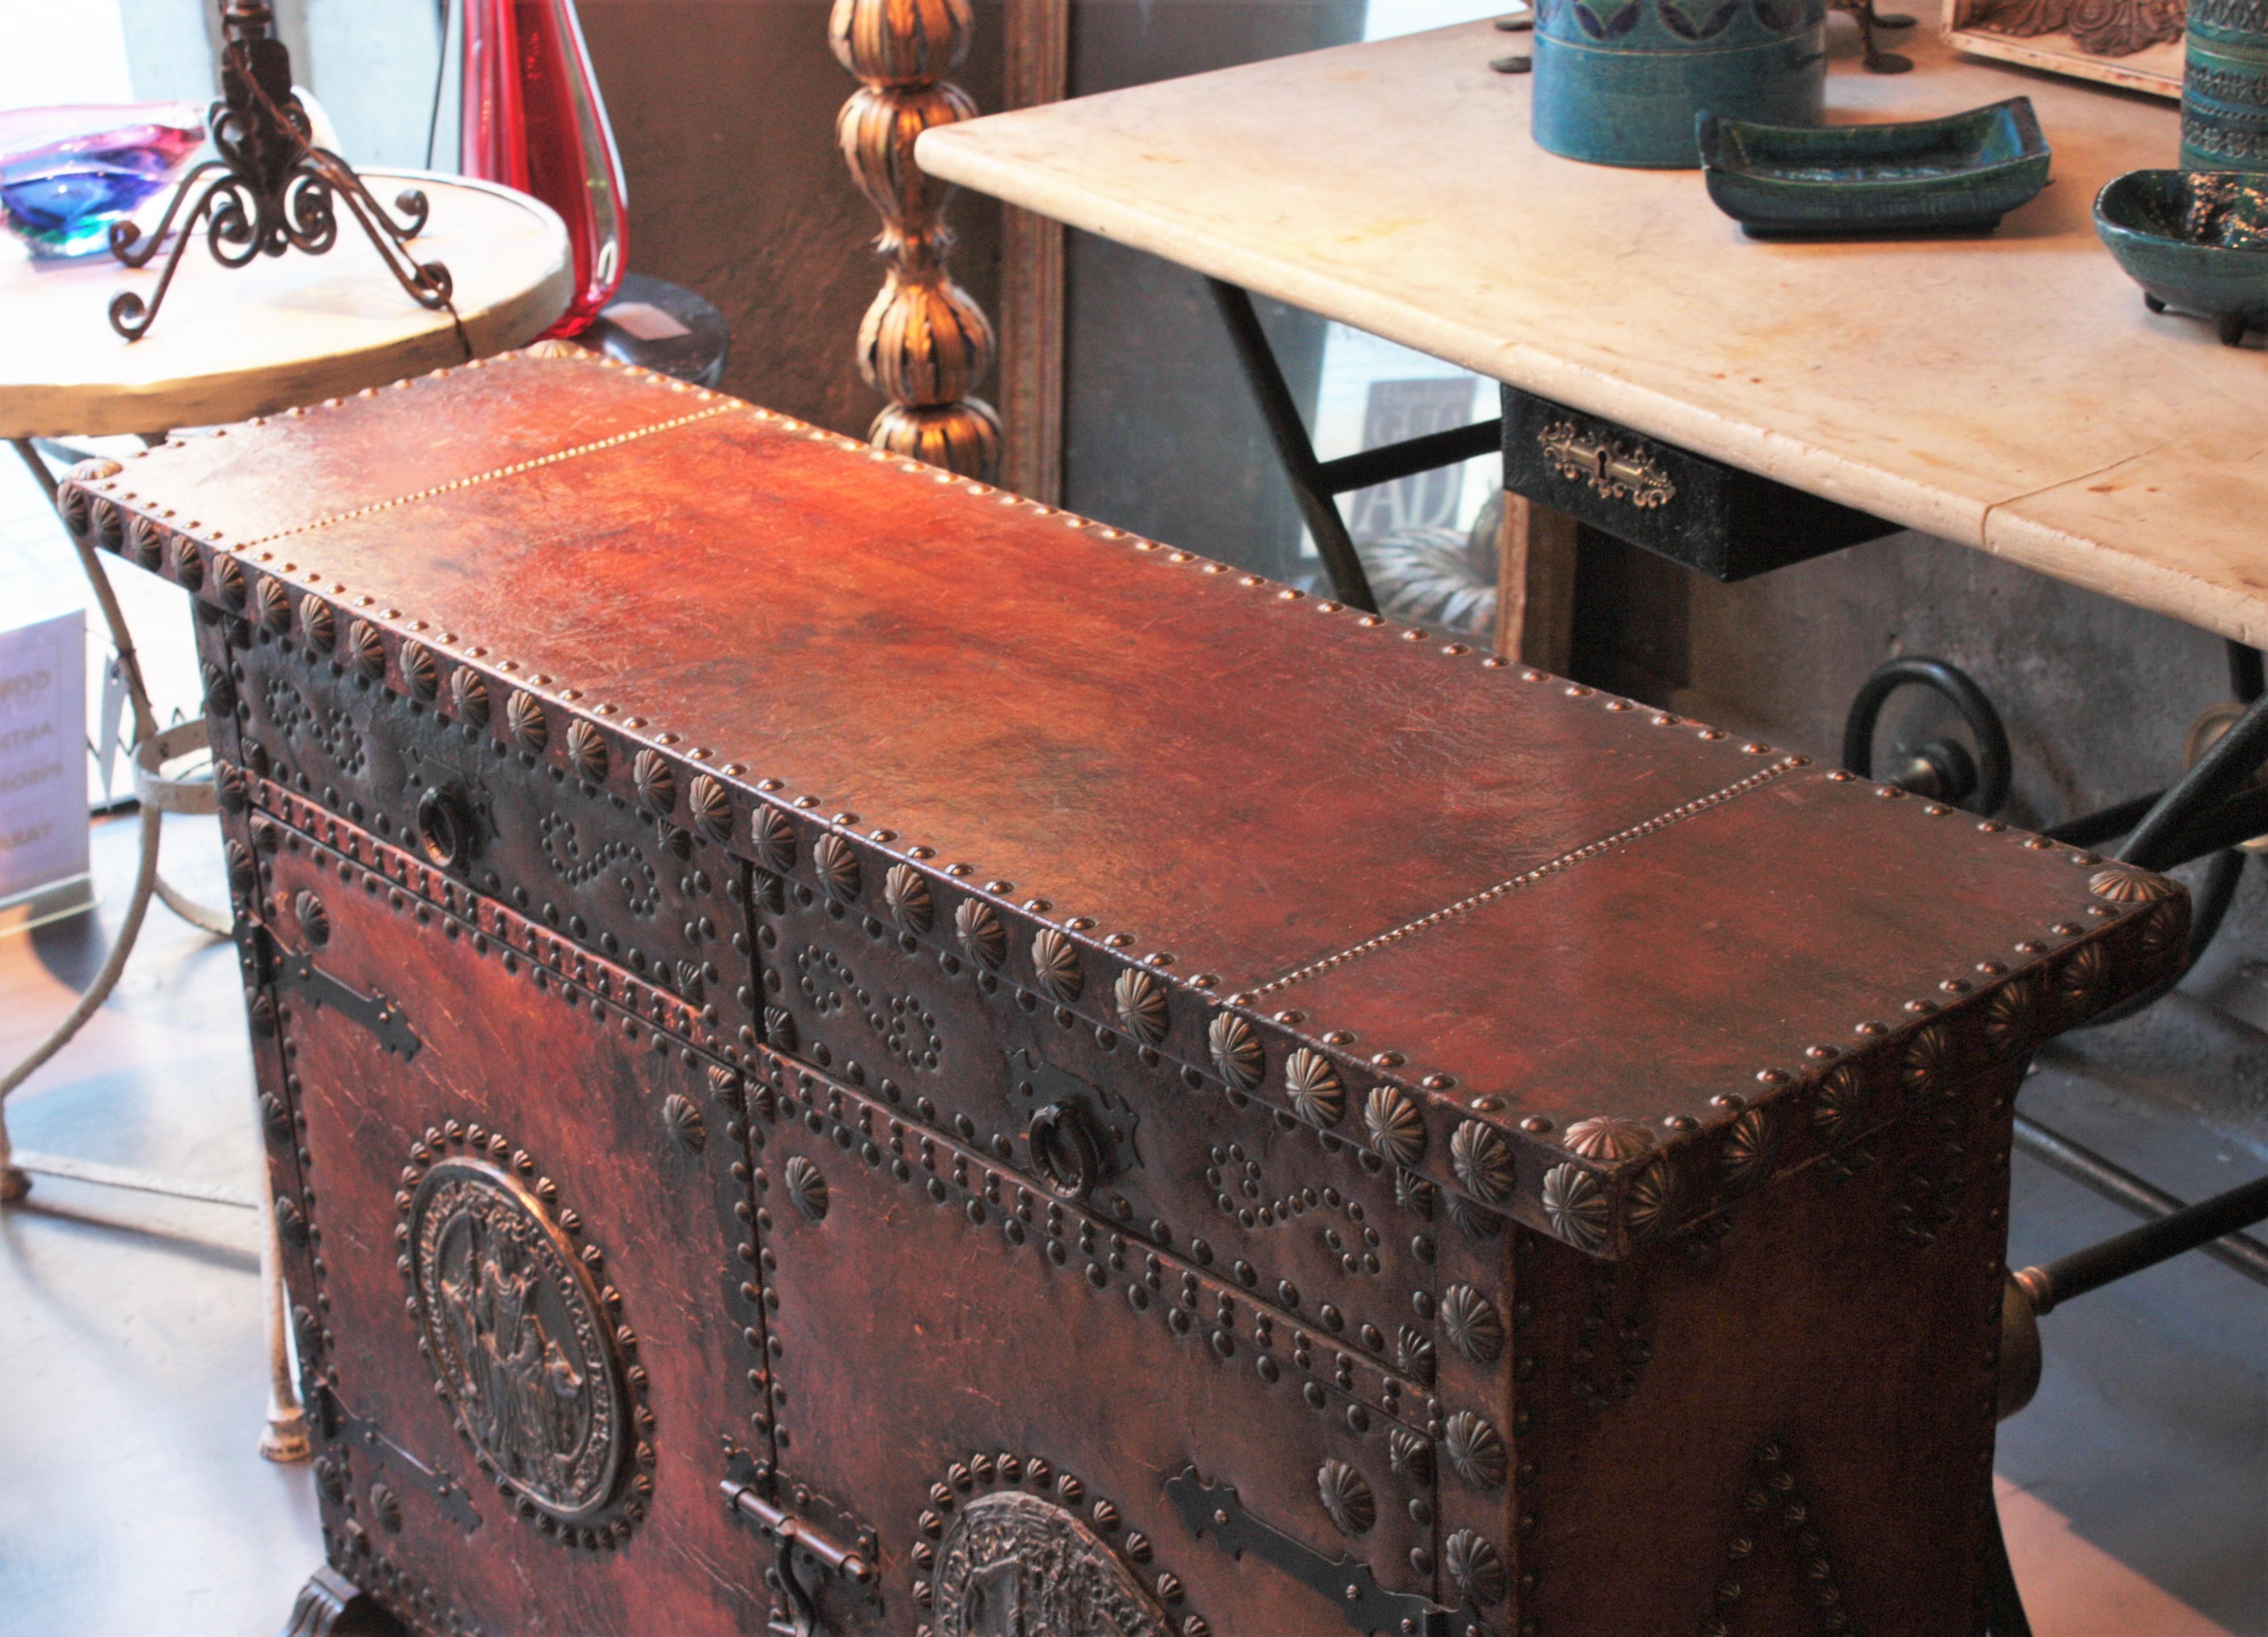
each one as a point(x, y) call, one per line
point(269, 192)
point(2207, 814)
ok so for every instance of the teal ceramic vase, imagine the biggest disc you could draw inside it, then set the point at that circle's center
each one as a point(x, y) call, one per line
point(1620, 82)
point(2225, 88)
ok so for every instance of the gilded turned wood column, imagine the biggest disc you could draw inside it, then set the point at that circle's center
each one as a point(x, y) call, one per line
point(924, 342)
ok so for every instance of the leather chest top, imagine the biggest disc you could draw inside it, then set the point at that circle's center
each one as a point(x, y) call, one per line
point(1523, 936)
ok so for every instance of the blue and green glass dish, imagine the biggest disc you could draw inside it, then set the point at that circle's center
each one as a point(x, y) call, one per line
point(1620, 82)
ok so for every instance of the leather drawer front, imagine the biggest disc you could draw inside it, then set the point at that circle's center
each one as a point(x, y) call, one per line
point(1314, 1226)
point(654, 897)
point(1005, 1385)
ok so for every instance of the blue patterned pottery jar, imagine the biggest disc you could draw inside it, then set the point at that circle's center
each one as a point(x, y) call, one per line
point(1619, 82)
point(2225, 89)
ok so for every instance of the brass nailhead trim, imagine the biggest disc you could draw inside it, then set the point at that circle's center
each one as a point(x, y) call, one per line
point(616, 441)
point(1565, 860)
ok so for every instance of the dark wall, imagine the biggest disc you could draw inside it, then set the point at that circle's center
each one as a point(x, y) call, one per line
point(1160, 432)
point(724, 114)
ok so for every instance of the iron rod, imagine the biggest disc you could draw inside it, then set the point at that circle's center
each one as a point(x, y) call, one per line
point(2246, 679)
point(2203, 1224)
point(2090, 829)
point(137, 1181)
point(1411, 455)
point(2241, 1251)
point(2216, 775)
point(1294, 449)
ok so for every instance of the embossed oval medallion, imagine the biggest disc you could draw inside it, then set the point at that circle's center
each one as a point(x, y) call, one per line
point(470, 690)
point(274, 601)
point(1056, 963)
point(1475, 1568)
point(656, 781)
point(516, 1336)
point(1576, 1206)
point(1746, 1157)
point(1841, 1111)
point(1141, 1000)
point(524, 716)
point(145, 538)
point(1398, 1128)
point(188, 567)
point(1472, 1324)
point(1013, 1562)
point(1476, 1452)
point(420, 673)
point(1483, 1160)
point(905, 893)
point(978, 926)
point(774, 834)
point(1236, 1051)
point(1316, 1088)
point(710, 807)
point(1655, 1194)
point(229, 580)
point(836, 862)
point(586, 749)
point(367, 649)
point(1347, 1498)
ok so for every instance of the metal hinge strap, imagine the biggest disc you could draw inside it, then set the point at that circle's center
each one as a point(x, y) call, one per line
point(1212, 1510)
point(450, 1495)
point(382, 1017)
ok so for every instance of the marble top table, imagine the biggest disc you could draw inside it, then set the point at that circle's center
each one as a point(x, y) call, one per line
point(230, 343)
point(2010, 392)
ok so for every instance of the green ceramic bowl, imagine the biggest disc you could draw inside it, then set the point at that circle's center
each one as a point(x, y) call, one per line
point(1958, 174)
point(2195, 241)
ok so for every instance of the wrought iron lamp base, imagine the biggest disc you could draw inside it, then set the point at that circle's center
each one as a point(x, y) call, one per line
point(272, 190)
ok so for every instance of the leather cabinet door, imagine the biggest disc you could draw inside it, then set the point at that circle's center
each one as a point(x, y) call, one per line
point(500, 1188)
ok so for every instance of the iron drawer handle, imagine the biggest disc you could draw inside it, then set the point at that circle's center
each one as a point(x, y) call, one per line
point(446, 827)
point(1615, 470)
point(1064, 1150)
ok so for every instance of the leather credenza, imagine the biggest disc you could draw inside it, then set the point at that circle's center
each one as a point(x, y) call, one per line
point(844, 1052)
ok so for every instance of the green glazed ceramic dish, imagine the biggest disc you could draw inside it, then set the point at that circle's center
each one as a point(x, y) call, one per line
point(2195, 240)
point(1958, 174)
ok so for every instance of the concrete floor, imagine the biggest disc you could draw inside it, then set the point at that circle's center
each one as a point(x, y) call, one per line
point(133, 1370)
point(2135, 1489)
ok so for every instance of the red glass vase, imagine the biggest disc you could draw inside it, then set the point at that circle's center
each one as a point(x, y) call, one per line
point(532, 119)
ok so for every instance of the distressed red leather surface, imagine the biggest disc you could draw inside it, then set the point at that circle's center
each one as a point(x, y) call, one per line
point(1253, 783)
point(1531, 1161)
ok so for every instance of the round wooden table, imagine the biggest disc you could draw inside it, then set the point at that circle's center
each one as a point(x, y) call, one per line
point(231, 343)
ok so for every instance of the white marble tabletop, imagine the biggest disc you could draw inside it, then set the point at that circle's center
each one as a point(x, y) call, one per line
point(229, 343)
point(2010, 392)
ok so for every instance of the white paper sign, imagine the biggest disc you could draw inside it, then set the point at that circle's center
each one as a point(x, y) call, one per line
point(43, 817)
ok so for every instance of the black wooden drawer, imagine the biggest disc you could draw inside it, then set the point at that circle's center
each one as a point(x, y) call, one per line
point(1700, 512)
